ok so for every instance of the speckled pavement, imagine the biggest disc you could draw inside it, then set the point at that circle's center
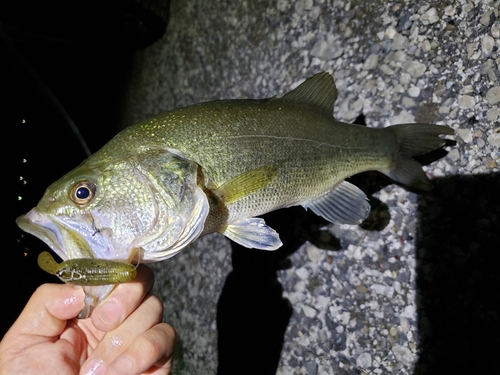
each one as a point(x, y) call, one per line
point(414, 289)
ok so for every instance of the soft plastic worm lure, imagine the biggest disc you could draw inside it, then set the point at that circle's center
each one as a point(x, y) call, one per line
point(88, 272)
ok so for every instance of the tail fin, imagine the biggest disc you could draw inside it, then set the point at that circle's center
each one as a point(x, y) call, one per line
point(412, 140)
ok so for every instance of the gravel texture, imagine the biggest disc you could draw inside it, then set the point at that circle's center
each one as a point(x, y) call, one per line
point(403, 293)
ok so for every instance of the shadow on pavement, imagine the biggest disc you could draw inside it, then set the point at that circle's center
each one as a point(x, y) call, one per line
point(458, 260)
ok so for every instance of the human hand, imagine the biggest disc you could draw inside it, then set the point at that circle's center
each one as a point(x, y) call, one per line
point(124, 334)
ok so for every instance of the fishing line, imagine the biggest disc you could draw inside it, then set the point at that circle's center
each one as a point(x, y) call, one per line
point(13, 51)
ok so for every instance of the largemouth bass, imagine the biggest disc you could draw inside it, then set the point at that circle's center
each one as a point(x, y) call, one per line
point(214, 167)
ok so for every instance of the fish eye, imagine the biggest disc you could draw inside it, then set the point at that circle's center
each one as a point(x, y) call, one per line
point(82, 192)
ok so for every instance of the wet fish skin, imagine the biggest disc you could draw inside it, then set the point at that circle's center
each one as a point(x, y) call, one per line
point(214, 167)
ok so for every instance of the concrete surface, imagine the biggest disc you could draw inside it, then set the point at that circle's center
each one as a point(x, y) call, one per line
point(403, 293)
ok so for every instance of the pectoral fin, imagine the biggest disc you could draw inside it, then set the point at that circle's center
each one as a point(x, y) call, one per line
point(246, 183)
point(345, 204)
point(253, 233)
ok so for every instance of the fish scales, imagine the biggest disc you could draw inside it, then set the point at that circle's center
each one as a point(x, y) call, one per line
point(314, 153)
point(215, 167)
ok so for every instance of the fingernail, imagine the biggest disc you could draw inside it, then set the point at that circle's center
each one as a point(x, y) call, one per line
point(111, 313)
point(95, 367)
point(123, 366)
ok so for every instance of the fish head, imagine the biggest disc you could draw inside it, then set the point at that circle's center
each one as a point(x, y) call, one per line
point(108, 208)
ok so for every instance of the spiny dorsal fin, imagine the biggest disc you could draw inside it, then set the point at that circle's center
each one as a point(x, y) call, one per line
point(318, 91)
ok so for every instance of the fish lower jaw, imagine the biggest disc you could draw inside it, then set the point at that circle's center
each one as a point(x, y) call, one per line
point(93, 296)
point(43, 228)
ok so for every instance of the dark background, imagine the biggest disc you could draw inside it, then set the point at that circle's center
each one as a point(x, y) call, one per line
point(458, 276)
point(56, 61)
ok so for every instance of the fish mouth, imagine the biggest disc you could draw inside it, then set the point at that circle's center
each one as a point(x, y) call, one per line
point(42, 227)
point(69, 239)
point(72, 238)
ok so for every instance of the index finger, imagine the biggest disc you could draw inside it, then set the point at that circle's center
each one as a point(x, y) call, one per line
point(123, 300)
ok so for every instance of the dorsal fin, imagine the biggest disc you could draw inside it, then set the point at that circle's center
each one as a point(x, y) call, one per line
point(318, 91)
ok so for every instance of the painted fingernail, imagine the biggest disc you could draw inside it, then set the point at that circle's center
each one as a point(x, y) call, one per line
point(94, 367)
point(123, 366)
point(111, 313)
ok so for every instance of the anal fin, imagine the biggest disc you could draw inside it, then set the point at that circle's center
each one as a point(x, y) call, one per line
point(345, 204)
point(253, 233)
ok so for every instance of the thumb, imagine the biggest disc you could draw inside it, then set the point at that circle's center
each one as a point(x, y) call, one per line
point(47, 311)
